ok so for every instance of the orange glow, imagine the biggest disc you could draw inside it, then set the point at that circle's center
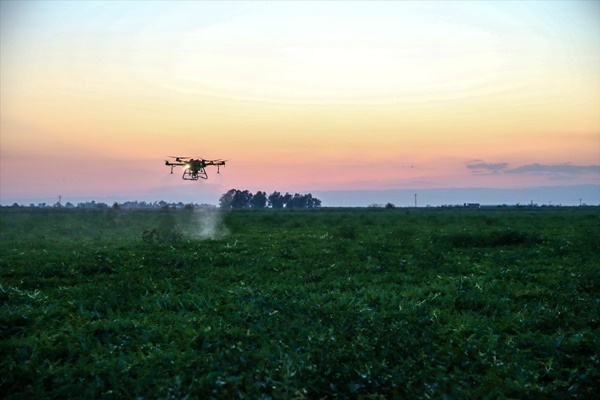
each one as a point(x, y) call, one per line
point(404, 102)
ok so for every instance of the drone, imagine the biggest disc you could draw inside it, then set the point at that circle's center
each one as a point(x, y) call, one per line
point(194, 168)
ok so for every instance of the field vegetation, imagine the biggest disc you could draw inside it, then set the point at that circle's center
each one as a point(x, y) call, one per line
point(283, 304)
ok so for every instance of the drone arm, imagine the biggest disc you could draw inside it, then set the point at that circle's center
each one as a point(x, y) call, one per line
point(215, 162)
point(175, 164)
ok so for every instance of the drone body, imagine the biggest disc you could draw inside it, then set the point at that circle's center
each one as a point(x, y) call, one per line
point(194, 168)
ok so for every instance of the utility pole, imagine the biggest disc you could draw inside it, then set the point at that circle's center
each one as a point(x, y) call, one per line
point(415, 200)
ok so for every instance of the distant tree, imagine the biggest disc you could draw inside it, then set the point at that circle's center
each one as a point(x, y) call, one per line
point(286, 199)
point(204, 205)
point(309, 200)
point(259, 200)
point(301, 201)
point(313, 202)
point(295, 201)
point(244, 199)
point(241, 199)
point(236, 199)
point(227, 198)
point(390, 205)
point(276, 200)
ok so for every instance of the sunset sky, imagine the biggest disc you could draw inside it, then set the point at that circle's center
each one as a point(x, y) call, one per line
point(298, 96)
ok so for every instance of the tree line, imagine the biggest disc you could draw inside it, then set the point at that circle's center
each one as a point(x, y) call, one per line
point(125, 205)
point(235, 198)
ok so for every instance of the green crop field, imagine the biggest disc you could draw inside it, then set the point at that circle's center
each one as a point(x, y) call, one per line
point(331, 304)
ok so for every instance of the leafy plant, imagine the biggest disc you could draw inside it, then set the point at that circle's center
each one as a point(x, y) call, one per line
point(374, 303)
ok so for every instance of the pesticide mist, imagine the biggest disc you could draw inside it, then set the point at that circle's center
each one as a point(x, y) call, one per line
point(207, 224)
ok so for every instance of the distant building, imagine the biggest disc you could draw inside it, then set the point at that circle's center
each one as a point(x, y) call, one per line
point(472, 205)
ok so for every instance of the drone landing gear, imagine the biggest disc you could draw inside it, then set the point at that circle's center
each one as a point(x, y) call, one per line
point(190, 175)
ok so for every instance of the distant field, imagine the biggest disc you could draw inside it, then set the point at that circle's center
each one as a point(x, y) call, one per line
point(370, 303)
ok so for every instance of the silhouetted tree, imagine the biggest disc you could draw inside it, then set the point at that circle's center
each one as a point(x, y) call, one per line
point(227, 199)
point(302, 201)
point(259, 200)
point(313, 202)
point(296, 201)
point(236, 199)
point(276, 200)
point(241, 199)
point(286, 199)
point(244, 199)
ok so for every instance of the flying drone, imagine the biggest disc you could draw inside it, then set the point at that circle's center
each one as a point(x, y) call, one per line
point(194, 168)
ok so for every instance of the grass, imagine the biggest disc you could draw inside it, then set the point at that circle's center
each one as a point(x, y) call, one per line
point(371, 303)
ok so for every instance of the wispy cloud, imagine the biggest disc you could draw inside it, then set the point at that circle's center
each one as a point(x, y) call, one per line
point(556, 168)
point(487, 167)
